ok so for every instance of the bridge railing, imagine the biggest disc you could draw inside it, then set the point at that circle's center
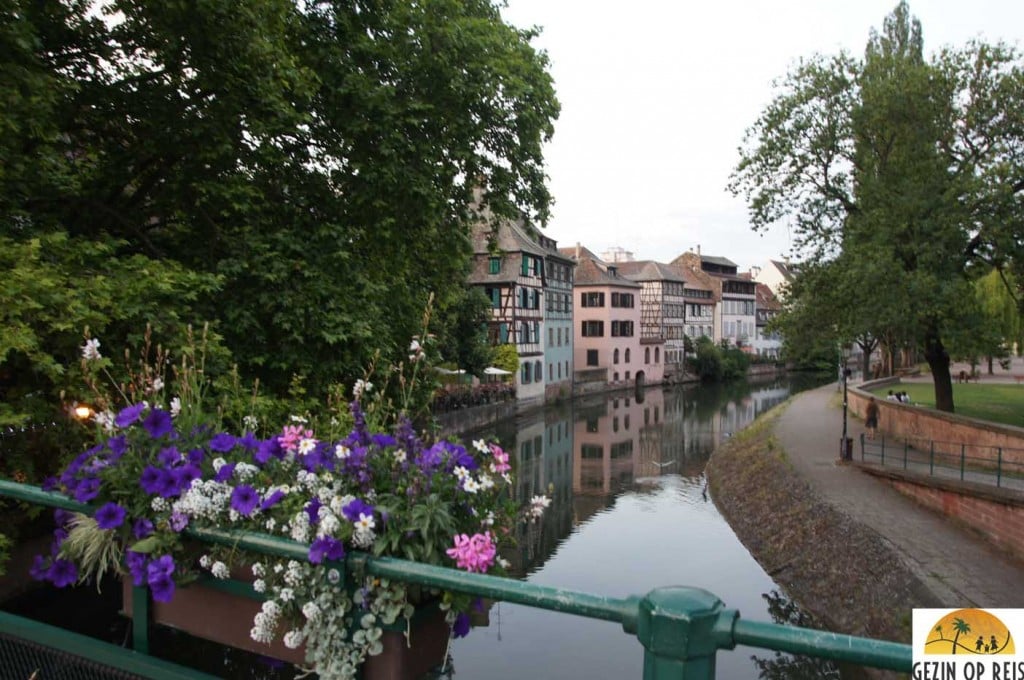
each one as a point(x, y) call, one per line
point(680, 628)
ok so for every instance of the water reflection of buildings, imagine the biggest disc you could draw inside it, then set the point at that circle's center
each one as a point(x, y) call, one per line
point(582, 460)
point(543, 466)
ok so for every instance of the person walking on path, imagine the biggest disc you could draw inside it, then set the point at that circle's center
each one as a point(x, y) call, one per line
point(871, 417)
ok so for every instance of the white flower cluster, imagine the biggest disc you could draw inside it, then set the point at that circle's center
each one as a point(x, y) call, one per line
point(205, 498)
point(538, 504)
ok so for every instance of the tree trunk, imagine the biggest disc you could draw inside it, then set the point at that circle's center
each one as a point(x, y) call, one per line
point(938, 360)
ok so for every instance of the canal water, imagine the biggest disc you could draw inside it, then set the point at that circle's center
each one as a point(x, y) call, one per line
point(630, 512)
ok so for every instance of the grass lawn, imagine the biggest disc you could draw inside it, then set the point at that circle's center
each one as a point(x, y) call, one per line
point(999, 403)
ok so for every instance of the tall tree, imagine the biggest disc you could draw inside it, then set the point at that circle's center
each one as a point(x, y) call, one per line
point(906, 173)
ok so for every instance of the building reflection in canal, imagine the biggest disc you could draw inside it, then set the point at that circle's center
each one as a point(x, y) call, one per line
point(629, 513)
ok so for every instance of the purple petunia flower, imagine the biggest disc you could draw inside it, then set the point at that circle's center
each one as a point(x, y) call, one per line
point(129, 415)
point(244, 499)
point(326, 547)
point(62, 573)
point(87, 489)
point(354, 508)
point(109, 516)
point(61, 517)
point(313, 511)
point(168, 456)
point(149, 480)
point(225, 472)
point(184, 475)
point(223, 442)
point(162, 588)
point(196, 456)
point(161, 565)
point(50, 483)
point(40, 569)
point(460, 628)
point(158, 423)
point(117, 445)
point(249, 442)
point(272, 500)
point(269, 448)
point(167, 486)
point(136, 563)
point(142, 528)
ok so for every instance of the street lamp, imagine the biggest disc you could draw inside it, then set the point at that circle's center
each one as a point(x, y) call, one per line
point(845, 444)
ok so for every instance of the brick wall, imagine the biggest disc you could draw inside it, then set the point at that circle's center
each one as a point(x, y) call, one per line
point(981, 438)
point(995, 513)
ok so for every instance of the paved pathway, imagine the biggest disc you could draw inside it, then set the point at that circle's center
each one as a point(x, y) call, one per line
point(958, 566)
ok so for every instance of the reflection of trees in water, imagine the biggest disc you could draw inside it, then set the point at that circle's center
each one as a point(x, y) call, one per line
point(786, 666)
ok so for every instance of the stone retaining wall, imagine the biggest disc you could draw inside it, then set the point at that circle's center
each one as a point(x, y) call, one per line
point(982, 438)
point(998, 514)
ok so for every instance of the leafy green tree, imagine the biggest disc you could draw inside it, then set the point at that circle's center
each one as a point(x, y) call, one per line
point(903, 177)
point(506, 357)
point(708, 360)
point(316, 159)
point(463, 335)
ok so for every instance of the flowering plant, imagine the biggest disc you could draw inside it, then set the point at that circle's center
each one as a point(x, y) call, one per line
point(155, 472)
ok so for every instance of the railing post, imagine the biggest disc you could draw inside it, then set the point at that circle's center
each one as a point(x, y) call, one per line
point(882, 460)
point(999, 464)
point(681, 630)
point(962, 460)
point(140, 619)
point(862, 447)
point(931, 459)
point(906, 449)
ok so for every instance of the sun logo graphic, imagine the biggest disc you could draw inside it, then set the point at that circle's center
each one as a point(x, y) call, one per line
point(969, 631)
point(967, 644)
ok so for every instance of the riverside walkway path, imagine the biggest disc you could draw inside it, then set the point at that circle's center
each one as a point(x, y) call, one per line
point(957, 565)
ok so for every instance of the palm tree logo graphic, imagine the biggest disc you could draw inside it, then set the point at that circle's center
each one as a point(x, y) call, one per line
point(969, 631)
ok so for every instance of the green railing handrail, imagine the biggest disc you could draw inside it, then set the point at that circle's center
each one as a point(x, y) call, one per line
point(681, 628)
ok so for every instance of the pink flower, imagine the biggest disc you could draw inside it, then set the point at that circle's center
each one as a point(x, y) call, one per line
point(292, 435)
point(474, 554)
point(500, 460)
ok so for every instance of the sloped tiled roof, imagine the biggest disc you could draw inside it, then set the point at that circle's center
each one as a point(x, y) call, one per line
point(590, 272)
point(766, 298)
point(649, 270)
point(784, 268)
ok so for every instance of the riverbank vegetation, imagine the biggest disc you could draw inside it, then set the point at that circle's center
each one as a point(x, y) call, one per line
point(844, 575)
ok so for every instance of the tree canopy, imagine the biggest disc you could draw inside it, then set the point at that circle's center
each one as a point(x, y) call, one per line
point(902, 179)
point(310, 165)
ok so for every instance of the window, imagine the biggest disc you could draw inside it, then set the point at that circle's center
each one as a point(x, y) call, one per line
point(627, 358)
point(494, 265)
point(592, 357)
point(538, 371)
point(527, 371)
point(622, 300)
point(657, 355)
point(551, 337)
point(495, 295)
point(538, 266)
point(503, 333)
point(593, 329)
point(615, 377)
point(592, 299)
point(647, 355)
point(525, 270)
point(525, 333)
point(615, 356)
point(627, 376)
point(622, 329)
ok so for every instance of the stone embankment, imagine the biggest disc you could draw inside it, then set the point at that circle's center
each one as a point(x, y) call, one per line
point(842, 574)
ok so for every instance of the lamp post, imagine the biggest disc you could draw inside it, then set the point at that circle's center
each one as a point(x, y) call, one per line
point(845, 444)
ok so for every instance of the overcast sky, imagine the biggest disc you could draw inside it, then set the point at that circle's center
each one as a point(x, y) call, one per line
point(656, 95)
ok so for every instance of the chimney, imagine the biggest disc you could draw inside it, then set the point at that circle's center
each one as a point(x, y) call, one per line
point(698, 250)
point(578, 250)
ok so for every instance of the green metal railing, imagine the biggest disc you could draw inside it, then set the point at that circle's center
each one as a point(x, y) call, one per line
point(681, 628)
point(988, 465)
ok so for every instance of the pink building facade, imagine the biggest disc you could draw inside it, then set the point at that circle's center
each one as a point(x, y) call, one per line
point(607, 329)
